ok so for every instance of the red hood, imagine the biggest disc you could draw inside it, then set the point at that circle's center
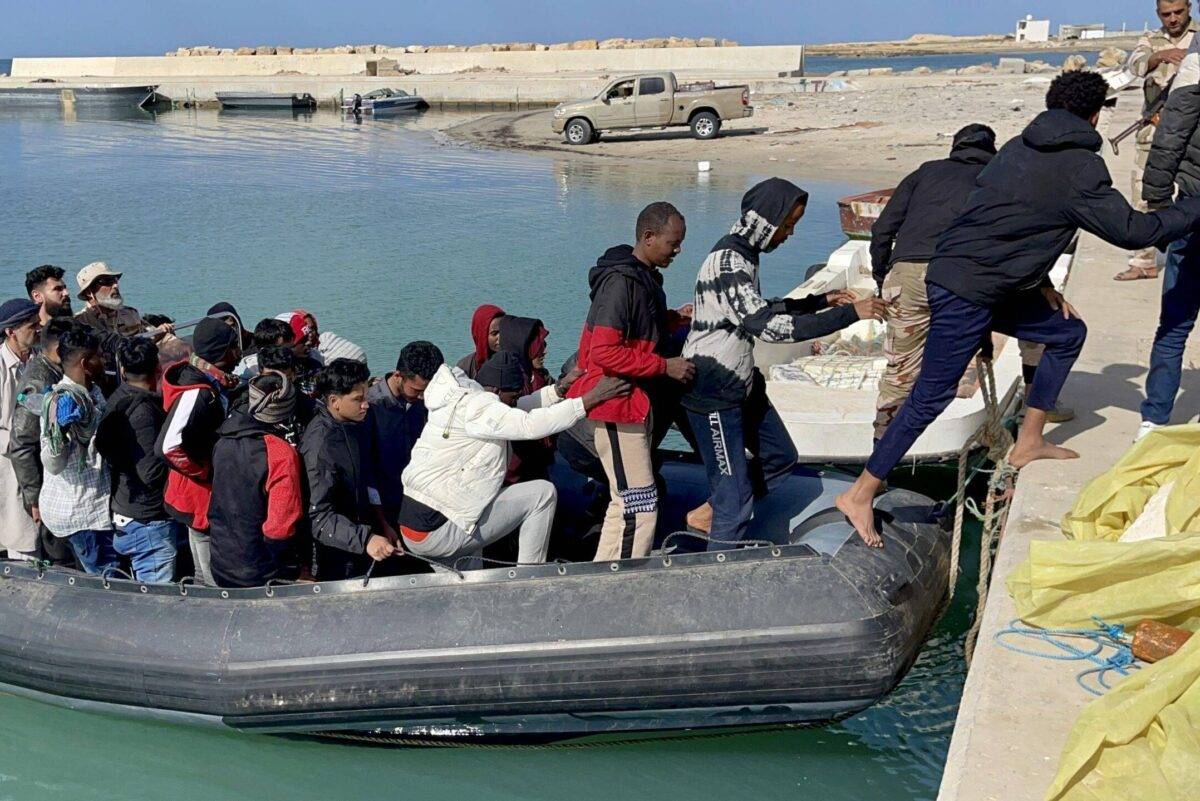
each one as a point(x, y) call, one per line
point(479, 330)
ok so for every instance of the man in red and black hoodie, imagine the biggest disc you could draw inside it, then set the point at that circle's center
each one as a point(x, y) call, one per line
point(257, 499)
point(626, 334)
point(197, 395)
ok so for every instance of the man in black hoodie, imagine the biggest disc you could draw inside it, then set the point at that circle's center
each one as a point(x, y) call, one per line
point(626, 335)
point(902, 243)
point(126, 436)
point(989, 272)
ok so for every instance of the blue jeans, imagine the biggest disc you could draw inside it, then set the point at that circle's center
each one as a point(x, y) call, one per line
point(151, 548)
point(723, 437)
point(94, 550)
point(1180, 304)
point(956, 330)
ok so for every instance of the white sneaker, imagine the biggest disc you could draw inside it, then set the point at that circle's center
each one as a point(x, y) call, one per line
point(1145, 428)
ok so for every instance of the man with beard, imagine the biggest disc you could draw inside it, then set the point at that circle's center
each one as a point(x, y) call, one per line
point(47, 289)
point(106, 312)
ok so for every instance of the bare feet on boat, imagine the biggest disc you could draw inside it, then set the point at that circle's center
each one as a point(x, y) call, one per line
point(856, 504)
point(700, 518)
point(1022, 455)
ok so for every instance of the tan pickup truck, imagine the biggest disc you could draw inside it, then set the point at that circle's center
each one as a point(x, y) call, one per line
point(652, 100)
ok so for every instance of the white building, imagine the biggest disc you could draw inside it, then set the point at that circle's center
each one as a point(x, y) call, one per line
point(1033, 30)
point(1092, 31)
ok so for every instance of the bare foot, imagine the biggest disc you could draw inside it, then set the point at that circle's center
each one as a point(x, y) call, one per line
point(861, 515)
point(1023, 455)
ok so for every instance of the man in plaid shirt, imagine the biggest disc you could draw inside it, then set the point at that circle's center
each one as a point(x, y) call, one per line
point(74, 499)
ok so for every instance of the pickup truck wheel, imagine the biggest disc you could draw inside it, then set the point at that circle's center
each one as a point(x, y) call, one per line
point(706, 125)
point(578, 132)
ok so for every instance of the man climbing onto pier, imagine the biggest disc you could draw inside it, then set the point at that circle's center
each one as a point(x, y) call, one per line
point(990, 269)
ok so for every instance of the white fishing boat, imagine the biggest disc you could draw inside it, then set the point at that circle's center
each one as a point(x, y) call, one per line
point(825, 390)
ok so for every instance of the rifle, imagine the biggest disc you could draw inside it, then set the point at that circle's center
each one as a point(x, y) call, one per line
point(1150, 117)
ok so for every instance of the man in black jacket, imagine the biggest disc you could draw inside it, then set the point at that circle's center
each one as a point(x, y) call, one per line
point(344, 505)
point(125, 438)
point(1174, 160)
point(902, 243)
point(989, 272)
point(41, 373)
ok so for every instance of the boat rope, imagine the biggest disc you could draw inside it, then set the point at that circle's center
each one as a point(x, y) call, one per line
point(996, 440)
point(1105, 636)
point(749, 543)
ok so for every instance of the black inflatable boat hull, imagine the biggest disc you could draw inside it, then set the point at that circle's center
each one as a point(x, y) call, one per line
point(799, 633)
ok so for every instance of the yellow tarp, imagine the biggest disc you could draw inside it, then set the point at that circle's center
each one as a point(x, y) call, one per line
point(1110, 502)
point(1142, 739)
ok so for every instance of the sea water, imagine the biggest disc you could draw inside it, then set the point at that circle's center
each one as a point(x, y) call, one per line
point(388, 232)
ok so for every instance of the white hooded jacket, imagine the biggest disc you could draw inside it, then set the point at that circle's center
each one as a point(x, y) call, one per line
point(459, 461)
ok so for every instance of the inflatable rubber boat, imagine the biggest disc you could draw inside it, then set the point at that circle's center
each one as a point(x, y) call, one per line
point(806, 626)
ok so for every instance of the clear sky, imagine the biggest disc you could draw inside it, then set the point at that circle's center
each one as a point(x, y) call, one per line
point(149, 27)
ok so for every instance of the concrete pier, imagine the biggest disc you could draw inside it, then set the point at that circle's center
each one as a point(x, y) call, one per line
point(1017, 710)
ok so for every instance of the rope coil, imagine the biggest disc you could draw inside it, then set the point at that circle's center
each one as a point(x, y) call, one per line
point(1104, 636)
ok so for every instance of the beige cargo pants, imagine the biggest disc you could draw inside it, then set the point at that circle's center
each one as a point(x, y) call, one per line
point(904, 342)
point(632, 514)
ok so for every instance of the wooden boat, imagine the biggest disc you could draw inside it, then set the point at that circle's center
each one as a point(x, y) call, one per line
point(266, 102)
point(859, 212)
point(809, 626)
point(382, 102)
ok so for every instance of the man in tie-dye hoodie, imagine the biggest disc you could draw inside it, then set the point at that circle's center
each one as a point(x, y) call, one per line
point(728, 405)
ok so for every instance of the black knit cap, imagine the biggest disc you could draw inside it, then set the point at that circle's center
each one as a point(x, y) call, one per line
point(503, 372)
point(212, 338)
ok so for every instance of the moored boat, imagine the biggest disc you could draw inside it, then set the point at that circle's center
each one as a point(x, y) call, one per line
point(38, 95)
point(265, 101)
point(810, 627)
point(382, 102)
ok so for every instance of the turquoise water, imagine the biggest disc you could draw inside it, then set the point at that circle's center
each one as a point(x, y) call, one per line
point(388, 234)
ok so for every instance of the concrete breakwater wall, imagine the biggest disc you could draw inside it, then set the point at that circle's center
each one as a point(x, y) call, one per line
point(759, 60)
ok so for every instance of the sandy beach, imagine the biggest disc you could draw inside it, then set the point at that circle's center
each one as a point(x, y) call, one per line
point(878, 130)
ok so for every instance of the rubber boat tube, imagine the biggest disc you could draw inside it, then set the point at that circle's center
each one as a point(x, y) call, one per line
point(810, 630)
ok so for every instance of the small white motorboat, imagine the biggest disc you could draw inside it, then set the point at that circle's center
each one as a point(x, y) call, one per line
point(382, 102)
point(825, 390)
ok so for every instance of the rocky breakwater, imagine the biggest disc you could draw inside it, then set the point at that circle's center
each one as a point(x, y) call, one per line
point(506, 47)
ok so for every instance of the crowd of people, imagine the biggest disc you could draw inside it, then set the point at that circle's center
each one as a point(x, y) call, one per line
point(240, 457)
point(244, 457)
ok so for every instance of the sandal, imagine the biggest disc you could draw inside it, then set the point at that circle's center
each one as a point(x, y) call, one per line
point(1136, 273)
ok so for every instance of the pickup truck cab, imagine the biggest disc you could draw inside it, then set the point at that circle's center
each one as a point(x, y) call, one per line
point(652, 100)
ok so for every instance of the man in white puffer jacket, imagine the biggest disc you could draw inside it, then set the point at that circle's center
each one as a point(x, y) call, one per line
point(455, 501)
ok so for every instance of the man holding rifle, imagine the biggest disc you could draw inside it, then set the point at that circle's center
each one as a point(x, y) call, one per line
point(1156, 59)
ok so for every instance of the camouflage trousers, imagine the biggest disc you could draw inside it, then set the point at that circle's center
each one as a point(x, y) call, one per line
point(1144, 138)
point(904, 342)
